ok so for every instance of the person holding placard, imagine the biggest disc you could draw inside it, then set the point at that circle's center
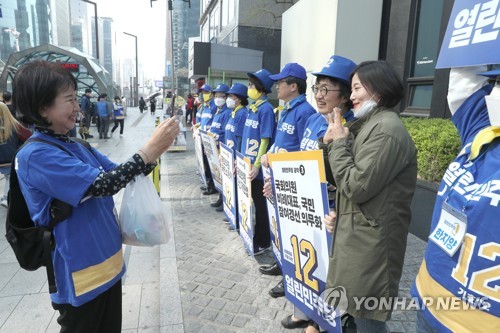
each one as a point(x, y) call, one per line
point(331, 90)
point(461, 259)
point(218, 124)
point(374, 162)
point(237, 102)
point(257, 137)
point(207, 111)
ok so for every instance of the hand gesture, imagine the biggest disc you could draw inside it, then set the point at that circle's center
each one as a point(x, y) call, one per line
point(267, 190)
point(162, 138)
point(264, 161)
point(335, 129)
point(329, 221)
point(253, 172)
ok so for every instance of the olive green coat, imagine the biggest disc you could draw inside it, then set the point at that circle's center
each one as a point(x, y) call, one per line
point(375, 172)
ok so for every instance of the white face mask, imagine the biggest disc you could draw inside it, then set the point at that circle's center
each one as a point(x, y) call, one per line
point(366, 108)
point(493, 106)
point(219, 101)
point(230, 103)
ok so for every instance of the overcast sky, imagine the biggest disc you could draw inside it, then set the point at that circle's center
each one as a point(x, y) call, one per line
point(148, 24)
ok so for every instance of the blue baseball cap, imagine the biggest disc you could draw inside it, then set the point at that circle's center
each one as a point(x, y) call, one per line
point(290, 69)
point(493, 73)
point(221, 88)
point(205, 87)
point(239, 89)
point(263, 77)
point(338, 68)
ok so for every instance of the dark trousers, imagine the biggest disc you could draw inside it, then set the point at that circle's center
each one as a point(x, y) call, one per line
point(208, 174)
point(262, 235)
point(118, 121)
point(102, 314)
point(189, 115)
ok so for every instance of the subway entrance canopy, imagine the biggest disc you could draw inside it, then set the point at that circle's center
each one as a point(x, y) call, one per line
point(88, 73)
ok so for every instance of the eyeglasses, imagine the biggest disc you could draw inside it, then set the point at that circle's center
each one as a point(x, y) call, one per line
point(323, 90)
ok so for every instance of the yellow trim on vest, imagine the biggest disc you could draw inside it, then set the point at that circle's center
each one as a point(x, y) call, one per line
point(255, 106)
point(457, 320)
point(233, 114)
point(485, 136)
point(95, 276)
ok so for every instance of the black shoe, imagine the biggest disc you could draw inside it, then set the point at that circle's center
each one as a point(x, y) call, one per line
point(100, 137)
point(278, 290)
point(219, 209)
point(203, 188)
point(260, 250)
point(218, 203)
point(273, 270)
point(107, 137)
point(210, 191)
point(287, 322)
point(89, 136)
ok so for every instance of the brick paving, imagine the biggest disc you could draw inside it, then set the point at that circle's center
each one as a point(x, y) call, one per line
point(221, 288)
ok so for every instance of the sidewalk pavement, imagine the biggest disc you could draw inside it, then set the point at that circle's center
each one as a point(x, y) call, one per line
point(201, 281)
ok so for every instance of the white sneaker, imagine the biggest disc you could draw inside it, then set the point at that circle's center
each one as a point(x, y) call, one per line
point(4, 203)
point(111, 135)
point(121, 135)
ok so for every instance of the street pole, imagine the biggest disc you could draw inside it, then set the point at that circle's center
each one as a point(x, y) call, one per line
point(96, 28)
point(171, 9)
point(136, 83)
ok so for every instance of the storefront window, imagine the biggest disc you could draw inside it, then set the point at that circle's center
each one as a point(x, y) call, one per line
point(424, 54)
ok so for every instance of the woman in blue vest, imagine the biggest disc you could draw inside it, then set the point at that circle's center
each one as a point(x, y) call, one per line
point(219, 121)
point(237, 102)
point(258, 134)
point(88, 258)
point(331, 89)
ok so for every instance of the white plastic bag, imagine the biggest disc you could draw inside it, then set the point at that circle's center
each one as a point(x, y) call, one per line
point(142, 214)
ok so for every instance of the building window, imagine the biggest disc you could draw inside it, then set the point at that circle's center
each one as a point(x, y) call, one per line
point(425, 50)
point(205, 32)
point(214, 22)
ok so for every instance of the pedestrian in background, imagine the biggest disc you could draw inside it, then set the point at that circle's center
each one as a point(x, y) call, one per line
point(12, 136)
point(119, 116)
point(87, 255)
point(124, 105)
point(87, 110)
point(374, 163)
point(152, 105)
point(142, 104)
point(7, 99)
point(189, 108)
point(105, 115)
point(257, 137)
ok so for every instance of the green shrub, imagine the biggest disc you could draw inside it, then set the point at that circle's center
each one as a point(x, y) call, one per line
point(438, 143)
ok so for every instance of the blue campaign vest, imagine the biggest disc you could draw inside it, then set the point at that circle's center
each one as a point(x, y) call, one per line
point(219, 122)
point(259, 125)
point(475, 187)
point(234, 128)
point(88, 255)
point(207, 115)
point(292, 124)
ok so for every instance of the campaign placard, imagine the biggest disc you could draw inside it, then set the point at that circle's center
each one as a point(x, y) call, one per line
point(244, 195)
point(199, 155)
point(210, 148)
point(300, 189)
point(228, 184)
point(472, 36)
point(273, 220)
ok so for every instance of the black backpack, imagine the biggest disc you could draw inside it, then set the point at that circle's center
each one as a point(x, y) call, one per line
point(33, 245)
